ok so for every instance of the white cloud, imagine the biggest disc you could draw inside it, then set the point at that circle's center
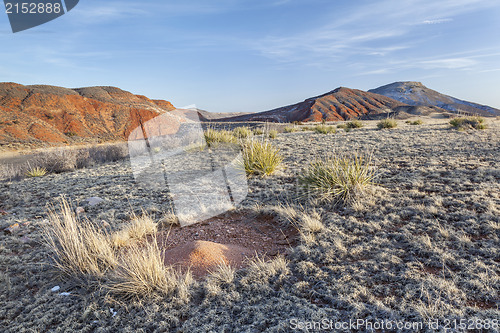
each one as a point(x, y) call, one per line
point(437, 21)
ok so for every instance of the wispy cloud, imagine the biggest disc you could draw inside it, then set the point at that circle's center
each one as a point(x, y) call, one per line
point(437, 21)
point(373, 30)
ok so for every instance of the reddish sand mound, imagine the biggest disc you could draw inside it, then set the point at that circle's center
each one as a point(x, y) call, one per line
point(231, 238)
point(203, 256)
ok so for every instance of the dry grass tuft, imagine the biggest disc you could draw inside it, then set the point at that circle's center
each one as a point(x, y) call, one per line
point(260, 157)
point(354, 124)
point(140, 227)
point(464, 123)
point(387, 123)
point(273, 134)
point(291, 129)
point(324, 129)
point(340, 178)
point(213, 137)
point(223, 274)
point(242, 132)
point(36, 172)
point(142, 273)
point(415, 122)
point(79, 249)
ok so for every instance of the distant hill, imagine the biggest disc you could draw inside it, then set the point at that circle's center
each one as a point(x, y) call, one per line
point(415, 93)
point(39, 114)
point(339, 104)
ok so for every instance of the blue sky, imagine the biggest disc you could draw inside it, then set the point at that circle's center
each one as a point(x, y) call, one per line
point(253, 55)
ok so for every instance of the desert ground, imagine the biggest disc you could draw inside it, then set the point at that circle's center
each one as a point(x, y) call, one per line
point(420, 247)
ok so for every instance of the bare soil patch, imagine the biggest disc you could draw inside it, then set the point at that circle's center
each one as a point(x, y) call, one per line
point(233, 238)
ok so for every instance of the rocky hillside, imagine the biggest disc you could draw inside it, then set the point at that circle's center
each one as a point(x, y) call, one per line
point(32, 116)
point(339, 104)
point(415, 93)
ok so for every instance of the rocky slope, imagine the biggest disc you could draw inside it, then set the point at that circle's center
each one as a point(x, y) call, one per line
point(32, 116)
point(339, 104)
point(415, 93)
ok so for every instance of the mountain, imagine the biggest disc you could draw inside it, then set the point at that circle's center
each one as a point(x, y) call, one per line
point(339, 104)
point(39, 114)
point(415, 93)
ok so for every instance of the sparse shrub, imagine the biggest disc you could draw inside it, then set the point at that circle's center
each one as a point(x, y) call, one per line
point(213, 137)
point(344, 126)
point(291, 129)
point(261, 157)
point(36, 172)
point(387, 123)
point(242, 132)
point(297, 123)
point(273, 134)
point(340, 178)
point(415, 122)
point(463, 123)
point(70, 134)
point(258, 131)
point(79, 249)
point(354, 124)
point(324, 129)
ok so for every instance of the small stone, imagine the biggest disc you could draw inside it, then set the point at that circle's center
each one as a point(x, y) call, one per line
point(56, 288)
point(105, 224)
point(65, 294)
point(3, 212)
point(79, 210)
point(12, 228)
point(94, 201)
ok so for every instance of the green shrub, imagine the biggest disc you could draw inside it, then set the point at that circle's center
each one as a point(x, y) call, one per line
point(463, 123)
point(242, 132)
point(261, 157)
point(324, 129)
point(340, 178)
point(387, 123)
point(273, 134)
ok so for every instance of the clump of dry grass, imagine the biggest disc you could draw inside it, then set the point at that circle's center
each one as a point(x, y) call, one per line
point(272, 134)
point(324, 129)
point(415, 122)
point(260, 157)
point(223, 274)
point(339, 178)
point(387, 123)
point(36, 172)
point(354, 124)
point(463, 123)
point(213, 137)
point(291, 129)
point(242, 132)
point(140, 227)
point(258, 131)
point(79, 248)
point(142, 273)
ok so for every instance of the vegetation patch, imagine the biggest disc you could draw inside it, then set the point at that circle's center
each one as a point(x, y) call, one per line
point(387, 123)
point(341, 178)
point(260, 157)
point(324, 129)
point(464, 123)
point(214, 137)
